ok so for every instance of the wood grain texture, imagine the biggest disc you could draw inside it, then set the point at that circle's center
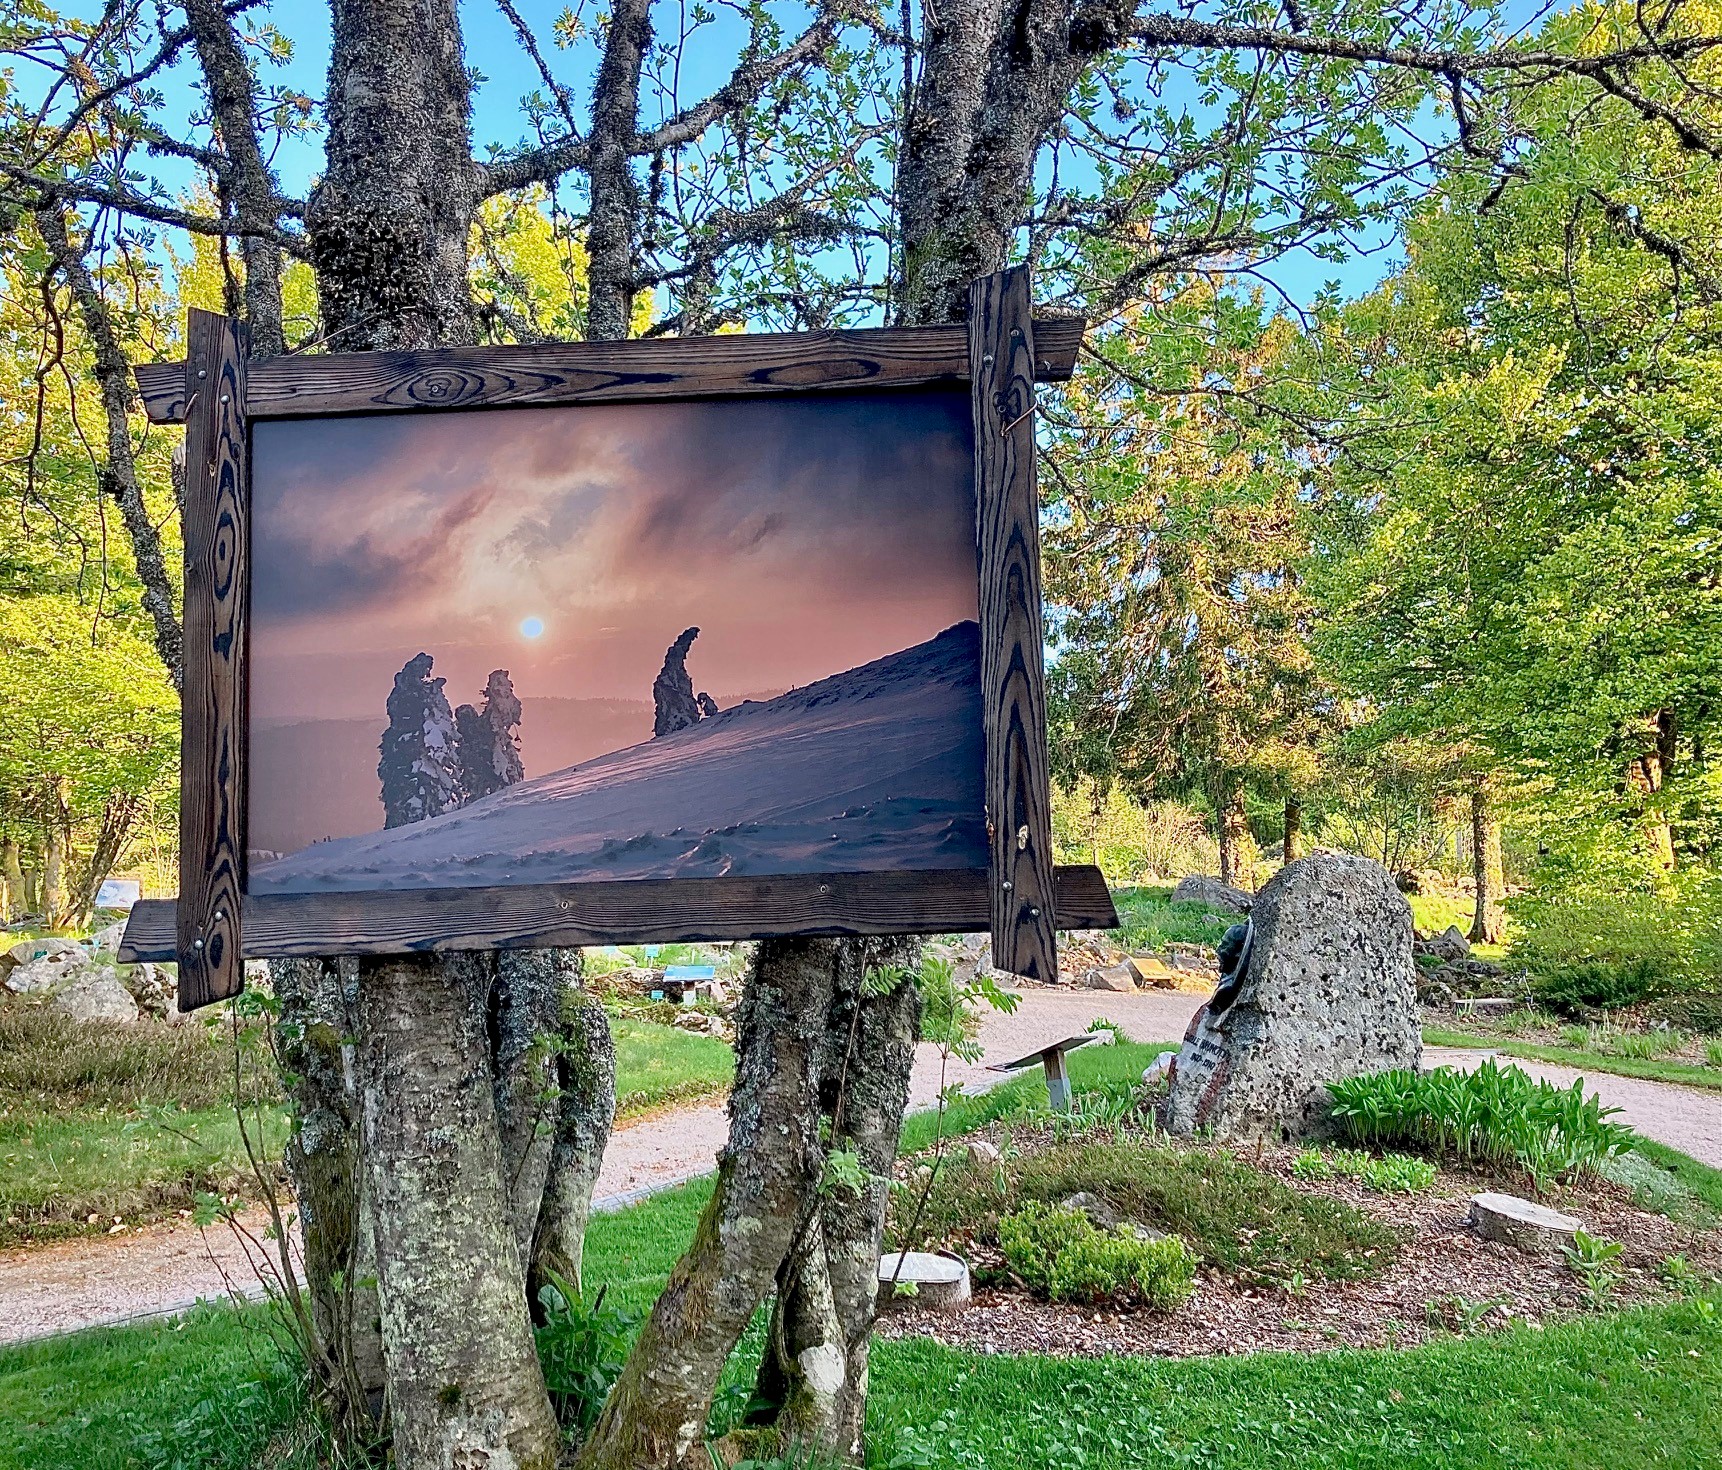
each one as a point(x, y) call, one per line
point(607, 372)
point(1013, 679)
point(212, 702)
point(666, 911)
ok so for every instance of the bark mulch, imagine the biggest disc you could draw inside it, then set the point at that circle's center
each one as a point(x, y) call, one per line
point(1444, 1279)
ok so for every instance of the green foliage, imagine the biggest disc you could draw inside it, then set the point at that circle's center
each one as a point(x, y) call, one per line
point(1130, 841)
point(1596, 1262)
point(1494, 1115)
point(1587, 950)
point(1239, 1218)
point(1064, 1255)
point(582, 1349)
point(1390, 1174)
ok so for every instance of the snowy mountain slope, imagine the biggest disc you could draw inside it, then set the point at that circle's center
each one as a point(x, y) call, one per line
point(878, 768)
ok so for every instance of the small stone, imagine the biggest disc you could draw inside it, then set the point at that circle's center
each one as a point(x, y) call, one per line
point(95, 995)
point(1113, 977)
point(1449, 945)
point(1522, 1223)
point(983, 1154)
point(1198, 888)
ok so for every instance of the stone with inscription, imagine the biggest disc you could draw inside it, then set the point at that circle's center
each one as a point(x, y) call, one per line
point(1318, 986)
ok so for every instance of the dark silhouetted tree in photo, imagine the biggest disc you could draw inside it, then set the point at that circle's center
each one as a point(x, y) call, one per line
point(675, 704)
point(420, 765)
point(489, 747)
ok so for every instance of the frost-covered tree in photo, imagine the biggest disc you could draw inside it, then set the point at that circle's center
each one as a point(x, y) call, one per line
point(489, 746)
point(674, 704)
point(420, 765)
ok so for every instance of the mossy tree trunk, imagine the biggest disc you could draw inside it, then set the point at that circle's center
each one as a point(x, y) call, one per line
point(1486, 868)
point(811, 1389)
point(464, 1383)
point(655, 1417)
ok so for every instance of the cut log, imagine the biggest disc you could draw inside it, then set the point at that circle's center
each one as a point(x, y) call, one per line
point(1522, 1223)
point(928, 1279)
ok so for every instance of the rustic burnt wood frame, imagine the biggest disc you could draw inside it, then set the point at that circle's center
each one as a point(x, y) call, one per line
point(1020, 900)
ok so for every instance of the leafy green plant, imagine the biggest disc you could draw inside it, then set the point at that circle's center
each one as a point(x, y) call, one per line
point(1494, 1115)
point(1398, 1174)
point(1458, 1313)
point(1595, 1260)
point(1312, 1163)
point(1677, 1274)
point(1713, 1054)
point(582, 1350)
point(1063, 1254)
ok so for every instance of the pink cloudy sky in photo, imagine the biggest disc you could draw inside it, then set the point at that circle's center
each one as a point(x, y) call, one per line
point(803, 535)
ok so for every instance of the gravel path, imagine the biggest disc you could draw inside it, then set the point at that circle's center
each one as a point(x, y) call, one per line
point(164, 1269)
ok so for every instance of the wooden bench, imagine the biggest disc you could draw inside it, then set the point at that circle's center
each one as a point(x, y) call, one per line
point(1051, 1058)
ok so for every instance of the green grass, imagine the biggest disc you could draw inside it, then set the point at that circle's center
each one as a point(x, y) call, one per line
point(1148, 920)
point(1583, 1058)
point(1640, 1389)
point(658, 1065)
point(136, 1122)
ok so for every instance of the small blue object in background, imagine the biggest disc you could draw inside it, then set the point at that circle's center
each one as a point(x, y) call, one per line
point(690, 972)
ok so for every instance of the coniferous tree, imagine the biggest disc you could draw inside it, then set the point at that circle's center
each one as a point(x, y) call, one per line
point(489, 746)
point(420, 765)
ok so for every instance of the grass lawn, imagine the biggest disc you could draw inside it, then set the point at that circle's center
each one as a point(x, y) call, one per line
point(1654, 1069)
point(1149, 920)
point(136, 1122)
point(1640, 1389)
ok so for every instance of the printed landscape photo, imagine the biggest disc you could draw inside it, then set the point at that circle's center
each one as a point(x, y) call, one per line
point(686, 639)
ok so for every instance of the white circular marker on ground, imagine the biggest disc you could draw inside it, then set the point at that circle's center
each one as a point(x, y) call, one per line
point(531, 627)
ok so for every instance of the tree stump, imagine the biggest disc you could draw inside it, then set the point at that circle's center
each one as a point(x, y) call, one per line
point(1521, 1223)
point(940, 1281)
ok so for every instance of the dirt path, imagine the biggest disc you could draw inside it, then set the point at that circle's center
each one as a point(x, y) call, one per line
point(1686, 1118)
point(165, 1269)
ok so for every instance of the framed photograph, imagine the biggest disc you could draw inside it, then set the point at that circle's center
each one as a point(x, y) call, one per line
point(619, 642)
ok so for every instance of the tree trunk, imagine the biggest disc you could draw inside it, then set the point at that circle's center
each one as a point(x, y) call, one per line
point(655, 1417)
point(1233, 826)
point(53, 878)
point(586, 1107)
point(1646, 775)
point(1491, 883)
point(615, 198)
point(812, 1383)
point(1291, 846)
point(314, 1052)
point(11, 880)
point(465, 1387)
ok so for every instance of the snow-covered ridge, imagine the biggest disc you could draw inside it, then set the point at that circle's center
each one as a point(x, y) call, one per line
point(878, 768)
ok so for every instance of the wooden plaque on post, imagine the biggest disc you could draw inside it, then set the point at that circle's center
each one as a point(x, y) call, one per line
point(854, 510)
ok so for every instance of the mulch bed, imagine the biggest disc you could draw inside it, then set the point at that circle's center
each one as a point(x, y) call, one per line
point(1444, 1268)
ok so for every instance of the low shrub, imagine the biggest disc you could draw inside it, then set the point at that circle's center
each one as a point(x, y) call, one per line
point(1063, 1254)
point(1239, 1218)
point(1494, 1115)
point(1573, 989)
point(1713, 1054)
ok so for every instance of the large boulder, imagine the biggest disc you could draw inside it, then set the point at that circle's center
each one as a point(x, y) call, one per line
point(50, 971)
point(1222, 898)
point(95, 993)
point(1321, 986)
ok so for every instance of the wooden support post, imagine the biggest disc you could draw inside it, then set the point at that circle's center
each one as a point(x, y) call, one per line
point(1007, 511)
point(1057, 1078)
point(212, 697)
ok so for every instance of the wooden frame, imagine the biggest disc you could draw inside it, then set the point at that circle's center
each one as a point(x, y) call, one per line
point(1020, 900)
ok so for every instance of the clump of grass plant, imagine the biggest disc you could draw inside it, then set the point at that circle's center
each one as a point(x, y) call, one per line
point(1390, 1174)
point(1492, 1116)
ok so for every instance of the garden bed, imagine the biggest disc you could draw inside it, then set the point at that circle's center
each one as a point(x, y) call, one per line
point(1376, 1270)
